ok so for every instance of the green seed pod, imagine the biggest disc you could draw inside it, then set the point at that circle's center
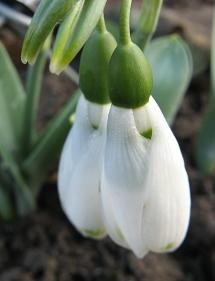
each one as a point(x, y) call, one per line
point(130, 77)
point(94, 66)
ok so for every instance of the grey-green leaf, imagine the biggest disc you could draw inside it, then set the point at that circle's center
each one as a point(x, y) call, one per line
point(172, 67)
point(6, 207)
point(25, 201)
point(205, 144)
point(83, 25)
point(12, 102)
point(48, 14)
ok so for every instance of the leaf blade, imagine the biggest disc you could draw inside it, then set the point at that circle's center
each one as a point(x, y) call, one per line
point(12, 102)
point(171, 63)
point(85, 24)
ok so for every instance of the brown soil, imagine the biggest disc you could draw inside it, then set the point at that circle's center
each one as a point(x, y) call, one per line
point(45, 247)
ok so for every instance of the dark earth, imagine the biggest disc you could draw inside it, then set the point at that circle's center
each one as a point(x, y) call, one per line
point(45, 247)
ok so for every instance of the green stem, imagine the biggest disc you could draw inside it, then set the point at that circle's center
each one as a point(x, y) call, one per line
point(148, 21)
point(34, 81)
point(125, 11)
point(33, 87)
point(101, 26)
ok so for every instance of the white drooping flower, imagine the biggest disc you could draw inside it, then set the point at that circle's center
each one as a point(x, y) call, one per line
point(144, 187)
point(81, 166)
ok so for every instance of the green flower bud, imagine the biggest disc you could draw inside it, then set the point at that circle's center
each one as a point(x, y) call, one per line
point(130, 77)
point(94, 66)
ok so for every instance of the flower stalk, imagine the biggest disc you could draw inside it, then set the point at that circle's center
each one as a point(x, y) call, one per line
point(101, 26)
point(33, 88)
point(125, 36)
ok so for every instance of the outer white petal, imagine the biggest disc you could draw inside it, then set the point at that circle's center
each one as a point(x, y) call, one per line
point(123, 178)
point(111, 225)
point(166, 211)
point(80, 171)
point(145, 181)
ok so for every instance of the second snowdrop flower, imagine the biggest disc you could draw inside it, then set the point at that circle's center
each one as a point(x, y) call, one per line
point(82, 157)
point(144, 187)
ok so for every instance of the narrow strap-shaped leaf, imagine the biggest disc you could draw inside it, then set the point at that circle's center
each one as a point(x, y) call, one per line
point(66, 30)
point(48, 14)
point(87, 20)
point(12, 102)
point(6, 206)
point(205, 144)
point(171, 63)
point(48, 147)
point(23, 195)
point(148, 21)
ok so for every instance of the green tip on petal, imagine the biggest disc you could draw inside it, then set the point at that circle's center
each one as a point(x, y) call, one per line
point(119, 234)
point(147, 134)
point(95, 234)
point(169, 247)
point(72, 119)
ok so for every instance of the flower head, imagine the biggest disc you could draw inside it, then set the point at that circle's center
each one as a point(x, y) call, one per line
point(80, 169)
point(82, 158)
point(144, 188)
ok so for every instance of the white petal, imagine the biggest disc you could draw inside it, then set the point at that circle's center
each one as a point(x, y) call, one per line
point(111, 225)
point(79, 133)
point(142, 120)
point(123, 177)
point(80, 172)
point(95, 114)
point(167, 198)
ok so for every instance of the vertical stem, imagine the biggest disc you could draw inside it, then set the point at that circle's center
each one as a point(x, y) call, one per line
point(33, 87)
point(148, 21)
point(101, 26)
point(125, 36)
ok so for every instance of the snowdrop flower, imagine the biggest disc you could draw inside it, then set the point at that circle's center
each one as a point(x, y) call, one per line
point(145, 189)
point(80, 169)
point(82, 157)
